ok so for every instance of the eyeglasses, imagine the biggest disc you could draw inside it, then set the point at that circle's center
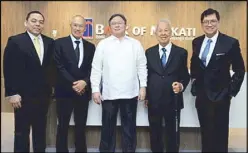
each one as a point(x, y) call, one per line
point(212, 22)
point(116, 23)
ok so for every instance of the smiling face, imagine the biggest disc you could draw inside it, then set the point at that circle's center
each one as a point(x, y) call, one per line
point(117, 27)
point(35, 24)
point(210, 25)
point(77, 26)
point(163, 33)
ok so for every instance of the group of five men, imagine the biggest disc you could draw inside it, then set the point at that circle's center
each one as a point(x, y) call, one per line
point(117, 74)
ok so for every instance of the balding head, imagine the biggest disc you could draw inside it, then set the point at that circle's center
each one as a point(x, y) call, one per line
point(77, 26)
point(77, 18)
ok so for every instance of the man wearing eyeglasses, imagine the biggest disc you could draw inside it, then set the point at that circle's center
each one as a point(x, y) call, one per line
point(73, 56)
point(213, 55)
point(119, 65)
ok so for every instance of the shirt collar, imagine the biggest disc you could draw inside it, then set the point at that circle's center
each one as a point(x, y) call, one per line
point(74, 39)
point(32, 36)
point(112, 37)
point(214, 38)
point(167, 47)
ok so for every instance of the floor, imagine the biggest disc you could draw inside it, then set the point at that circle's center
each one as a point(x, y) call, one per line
point(237, 138)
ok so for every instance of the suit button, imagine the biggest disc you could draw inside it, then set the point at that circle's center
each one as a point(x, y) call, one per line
point(162, 77)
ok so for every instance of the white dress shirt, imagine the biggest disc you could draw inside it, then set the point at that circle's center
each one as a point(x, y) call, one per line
point(81, 49)
point(168, 50)
point(41, 45)
point(121, 67)
point(211, 49)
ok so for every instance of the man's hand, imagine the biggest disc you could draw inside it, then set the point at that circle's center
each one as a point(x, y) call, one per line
point(142, 93)
point(97, 97)
point(15, 101)
point(79, 86)
point(177, 87)
point(146, 103)
point(82, 92)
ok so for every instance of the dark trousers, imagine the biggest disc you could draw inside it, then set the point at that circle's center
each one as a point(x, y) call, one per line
point(128, 109)
point(214, 123)
point(65, 106)
point(33, 113)
point(172, 139)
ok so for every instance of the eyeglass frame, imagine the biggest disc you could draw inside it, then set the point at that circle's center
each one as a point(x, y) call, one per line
point(212, 22)
point(117, 23)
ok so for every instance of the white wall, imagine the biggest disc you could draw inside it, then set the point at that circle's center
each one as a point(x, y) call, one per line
point(188, 114)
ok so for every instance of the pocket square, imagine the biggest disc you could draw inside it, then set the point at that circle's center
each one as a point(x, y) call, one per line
point(219, 54)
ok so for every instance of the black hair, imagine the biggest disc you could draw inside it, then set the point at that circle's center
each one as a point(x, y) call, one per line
point(34, 12)
point(210, 11)
point(120, 15)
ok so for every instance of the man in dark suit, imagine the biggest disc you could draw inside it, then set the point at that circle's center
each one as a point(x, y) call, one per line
point(167, 75)
point(28, 71)
point(73, 57)
point(213, 54)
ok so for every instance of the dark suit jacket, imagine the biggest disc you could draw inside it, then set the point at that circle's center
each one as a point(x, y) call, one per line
point(23, 71)
point(159, 87)
point(215, 79)
point(67, 69)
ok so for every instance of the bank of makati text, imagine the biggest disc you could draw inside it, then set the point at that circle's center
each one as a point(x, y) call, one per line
point(178, 33)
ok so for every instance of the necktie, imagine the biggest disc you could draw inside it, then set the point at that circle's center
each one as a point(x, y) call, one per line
point(37, 46)
point(205, 52)
point(77, 50)
point(163, 58)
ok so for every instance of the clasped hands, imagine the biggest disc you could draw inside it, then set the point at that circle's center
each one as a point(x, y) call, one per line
point(79, 86)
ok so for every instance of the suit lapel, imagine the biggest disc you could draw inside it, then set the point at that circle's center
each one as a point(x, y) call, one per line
point(217, 48)
point(71, 50)
point(45, 43)
point(198, 45)
point(198, 49)
point(31, 47)
point(85, 53)
point(172, 53)
point(155, 60)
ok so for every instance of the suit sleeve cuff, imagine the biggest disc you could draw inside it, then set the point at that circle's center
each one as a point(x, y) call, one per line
point(13, 96)
point(182, 87)
point(143, 84)
point(95, 89)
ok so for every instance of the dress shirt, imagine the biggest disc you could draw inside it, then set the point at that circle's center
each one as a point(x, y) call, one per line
point(41, 45)
point(211, 49)
point(168, 50)
point(120, 66)
point(81, 49)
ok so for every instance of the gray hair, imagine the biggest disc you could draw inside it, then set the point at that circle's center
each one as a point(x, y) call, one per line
point(165, 21)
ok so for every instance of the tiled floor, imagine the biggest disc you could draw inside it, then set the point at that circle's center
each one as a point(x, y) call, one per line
point(237, 142)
